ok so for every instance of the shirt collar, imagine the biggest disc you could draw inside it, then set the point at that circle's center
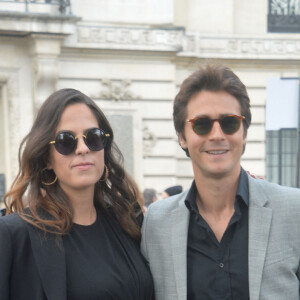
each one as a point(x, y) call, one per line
point(242, 192)
point(243, 187)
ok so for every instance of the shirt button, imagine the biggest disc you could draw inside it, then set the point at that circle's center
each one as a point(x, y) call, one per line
point(221, 265)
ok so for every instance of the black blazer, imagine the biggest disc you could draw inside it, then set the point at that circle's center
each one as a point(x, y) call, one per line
point(32, 264)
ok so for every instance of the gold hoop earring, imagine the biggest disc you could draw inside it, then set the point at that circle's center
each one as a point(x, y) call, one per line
point(105, 175)
point(45, 176)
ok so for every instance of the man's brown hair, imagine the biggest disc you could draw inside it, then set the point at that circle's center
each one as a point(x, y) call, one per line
point(211, 78)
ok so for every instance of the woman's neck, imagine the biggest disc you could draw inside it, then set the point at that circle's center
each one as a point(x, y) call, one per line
point(82, 202)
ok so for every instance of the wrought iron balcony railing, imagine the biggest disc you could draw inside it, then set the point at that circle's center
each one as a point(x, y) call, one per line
point(62, 7)
point(284, 16)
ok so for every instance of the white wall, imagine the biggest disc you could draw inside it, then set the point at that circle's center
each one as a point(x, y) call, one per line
point(140, 41)
point(144, 12)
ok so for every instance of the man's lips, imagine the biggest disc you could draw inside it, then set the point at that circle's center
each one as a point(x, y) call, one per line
point(216, 152)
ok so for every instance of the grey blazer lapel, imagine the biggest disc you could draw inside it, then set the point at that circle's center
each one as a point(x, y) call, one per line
point(49, 255)
point(259, 226)
point(180, 222)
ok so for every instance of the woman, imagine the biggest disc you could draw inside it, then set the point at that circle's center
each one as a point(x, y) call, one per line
point(76, 236)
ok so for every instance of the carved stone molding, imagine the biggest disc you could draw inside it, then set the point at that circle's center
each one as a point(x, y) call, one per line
point(235, 47)
point(23, 23)
point(116, 90)
point(131, 38)
point(188, 44)
point(10, 81)
point(149, 141)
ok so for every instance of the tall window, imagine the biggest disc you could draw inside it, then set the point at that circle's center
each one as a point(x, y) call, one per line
point(282, 156)
point(282, 131)
point(284, 16)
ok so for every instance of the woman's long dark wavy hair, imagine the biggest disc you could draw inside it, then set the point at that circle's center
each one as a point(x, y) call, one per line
point(119, 194)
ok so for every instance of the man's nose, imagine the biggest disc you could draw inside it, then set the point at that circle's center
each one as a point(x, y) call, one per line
point(216, 131)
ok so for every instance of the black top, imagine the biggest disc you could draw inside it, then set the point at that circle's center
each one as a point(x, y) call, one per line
point(103, 262)
point(218, 271)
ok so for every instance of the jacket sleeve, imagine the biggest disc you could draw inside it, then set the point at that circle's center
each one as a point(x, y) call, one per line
point(5, 260)
point(144, 233)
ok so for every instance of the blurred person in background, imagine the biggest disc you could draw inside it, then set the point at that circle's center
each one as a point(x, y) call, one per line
point(171, 191)
point(150, 196)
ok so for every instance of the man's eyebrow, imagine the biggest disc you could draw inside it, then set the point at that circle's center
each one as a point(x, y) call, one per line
point(206, 115)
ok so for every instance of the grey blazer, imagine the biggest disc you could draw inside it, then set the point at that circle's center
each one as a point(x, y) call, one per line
point(274, 243)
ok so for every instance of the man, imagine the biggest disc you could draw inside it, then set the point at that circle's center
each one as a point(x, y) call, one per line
point(150, 196)
point(171, 191)
point(229, 236)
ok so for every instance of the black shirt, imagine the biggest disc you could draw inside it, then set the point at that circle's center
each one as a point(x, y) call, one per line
point(103, 262)
point(218, 270)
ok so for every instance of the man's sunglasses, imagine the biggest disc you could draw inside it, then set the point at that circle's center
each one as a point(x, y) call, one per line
point(229, 124)
point(66, 142)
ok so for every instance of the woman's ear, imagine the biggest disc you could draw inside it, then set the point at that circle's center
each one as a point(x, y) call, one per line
point(48, 163)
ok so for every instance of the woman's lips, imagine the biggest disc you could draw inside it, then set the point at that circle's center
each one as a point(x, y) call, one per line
point(83, 166)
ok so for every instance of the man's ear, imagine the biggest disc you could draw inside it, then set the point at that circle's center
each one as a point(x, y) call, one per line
point(244, 142)
point(245, 138)
point(183, 144)
point(245, 131)
point(182, 141)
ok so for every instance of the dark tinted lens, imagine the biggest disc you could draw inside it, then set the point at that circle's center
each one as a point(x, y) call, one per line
point(65, 143)
point(95, 139)
point(230, 124)
point(202, 126)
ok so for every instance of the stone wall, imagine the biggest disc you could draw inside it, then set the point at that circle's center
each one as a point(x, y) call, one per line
point(131, 57)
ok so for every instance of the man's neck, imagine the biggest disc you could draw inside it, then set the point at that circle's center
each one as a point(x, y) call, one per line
point(216, 194)
point(215, 201)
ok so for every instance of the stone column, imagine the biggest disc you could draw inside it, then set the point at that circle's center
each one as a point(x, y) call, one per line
point(45, 51)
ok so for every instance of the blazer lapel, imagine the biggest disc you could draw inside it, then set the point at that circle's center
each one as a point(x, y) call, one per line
point(259, 226)
point(49, 255)
point(180, 221)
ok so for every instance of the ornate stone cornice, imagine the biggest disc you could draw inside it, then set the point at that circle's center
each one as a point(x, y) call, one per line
point(22, 23)
point(188, 44)
point(120, 38)
point(241, 47)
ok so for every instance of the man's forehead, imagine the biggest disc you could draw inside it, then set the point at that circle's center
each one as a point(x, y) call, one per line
point(213, 104)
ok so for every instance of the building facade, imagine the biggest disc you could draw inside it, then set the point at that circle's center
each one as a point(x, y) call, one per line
point(131, 57)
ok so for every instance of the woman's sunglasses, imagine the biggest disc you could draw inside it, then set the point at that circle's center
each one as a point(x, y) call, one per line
point(66, 142)
point(229, 124)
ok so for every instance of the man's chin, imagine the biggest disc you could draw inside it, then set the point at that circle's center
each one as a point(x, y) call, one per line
point(218, 173)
